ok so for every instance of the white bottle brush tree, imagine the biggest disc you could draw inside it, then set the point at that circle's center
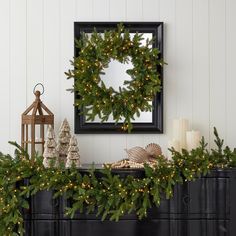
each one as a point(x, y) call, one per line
point(50, 154)
point(73, 157)
point(63, 141)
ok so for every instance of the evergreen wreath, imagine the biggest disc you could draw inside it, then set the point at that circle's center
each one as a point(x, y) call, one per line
point(111, 195)
point(94, 98)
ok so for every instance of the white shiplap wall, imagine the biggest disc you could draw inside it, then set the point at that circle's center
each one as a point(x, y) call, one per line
point(36, 45)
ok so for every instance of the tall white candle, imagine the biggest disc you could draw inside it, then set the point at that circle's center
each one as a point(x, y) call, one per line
point(180, 127)
point(193, 139)
point(173, 144)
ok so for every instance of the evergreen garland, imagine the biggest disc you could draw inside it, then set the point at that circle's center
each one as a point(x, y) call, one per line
point(111, 195)
point(96, 52)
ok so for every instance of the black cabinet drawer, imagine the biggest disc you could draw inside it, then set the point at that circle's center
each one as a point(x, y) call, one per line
point(44, 203)
point(121, 228)
point(202, 228)
point(41, 228)
point(127, 228)
point(145, 228)
point(205, 197)
point(205, 207)
point(42, 206)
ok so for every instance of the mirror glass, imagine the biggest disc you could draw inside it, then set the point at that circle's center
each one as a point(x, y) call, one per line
point(115, 75)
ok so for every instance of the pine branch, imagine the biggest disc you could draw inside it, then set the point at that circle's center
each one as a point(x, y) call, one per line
point(219, 142)
point(110, 194)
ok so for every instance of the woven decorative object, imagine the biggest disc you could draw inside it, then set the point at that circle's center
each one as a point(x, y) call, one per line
point(138, 157)
point(50, 155)
point(153, 149)
point(73, 157)
point(63, 141)
point(125, 163)
point(137, 154)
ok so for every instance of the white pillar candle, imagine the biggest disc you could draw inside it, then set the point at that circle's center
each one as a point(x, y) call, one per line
point(180, 127)
point(174, 144)
point(193, 139)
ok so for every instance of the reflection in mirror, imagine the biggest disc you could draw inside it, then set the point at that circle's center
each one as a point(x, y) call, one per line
point(115, 75)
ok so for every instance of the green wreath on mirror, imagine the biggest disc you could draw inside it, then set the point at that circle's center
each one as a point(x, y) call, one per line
point(94, 98)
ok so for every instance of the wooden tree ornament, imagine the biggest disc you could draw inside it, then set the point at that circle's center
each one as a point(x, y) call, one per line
point(34, 120)
point(50, 154)
point(73, 157)
point(63, 141)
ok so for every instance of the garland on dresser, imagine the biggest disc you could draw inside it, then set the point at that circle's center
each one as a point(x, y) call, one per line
point(95, 53)
point(111, 195)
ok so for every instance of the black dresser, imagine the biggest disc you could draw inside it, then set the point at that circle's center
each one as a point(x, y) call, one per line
point(206, 207)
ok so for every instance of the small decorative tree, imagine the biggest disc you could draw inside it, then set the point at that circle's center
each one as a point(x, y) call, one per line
point(63, 141)
point(73, 157)
point(50, 152)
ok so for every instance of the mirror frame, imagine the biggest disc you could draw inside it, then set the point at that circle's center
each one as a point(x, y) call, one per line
point(156, 126)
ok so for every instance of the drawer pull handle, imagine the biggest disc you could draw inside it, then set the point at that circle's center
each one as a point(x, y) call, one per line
point(186, 200)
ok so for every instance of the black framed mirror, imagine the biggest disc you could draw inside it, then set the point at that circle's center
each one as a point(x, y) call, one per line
point(148, 122)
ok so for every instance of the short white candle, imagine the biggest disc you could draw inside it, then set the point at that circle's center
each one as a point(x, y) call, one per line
point(180, 127)
point(193, 139)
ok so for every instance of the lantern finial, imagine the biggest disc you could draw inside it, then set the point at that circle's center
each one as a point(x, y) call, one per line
point(37, 95)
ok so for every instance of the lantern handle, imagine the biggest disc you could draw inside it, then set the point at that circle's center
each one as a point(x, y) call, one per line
point(38, 85)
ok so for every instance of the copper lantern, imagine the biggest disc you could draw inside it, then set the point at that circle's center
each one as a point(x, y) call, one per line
point(34, 121)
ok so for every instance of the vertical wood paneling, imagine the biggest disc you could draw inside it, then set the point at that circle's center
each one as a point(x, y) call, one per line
point(117, 10)
point(84, 10)
point(117, 143)
point(183, 57)
point(134, 10)
point(5, 75)
point(67, 17)
point(135, 140)
point(86, 148)
point(231, 72)
point(101, 13)
point(201, 67)
point(167, 15)
point(151, 10)
point(18, 66)
point(217, 68)
point(52, 57)
point(35, 47)
point(152, 138)
point(101, 10)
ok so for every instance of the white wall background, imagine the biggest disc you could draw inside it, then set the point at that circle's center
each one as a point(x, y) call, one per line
point(36, 44)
